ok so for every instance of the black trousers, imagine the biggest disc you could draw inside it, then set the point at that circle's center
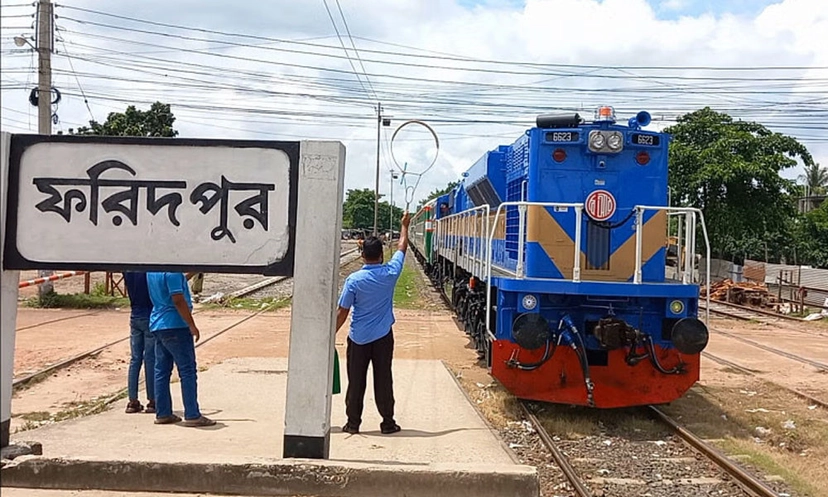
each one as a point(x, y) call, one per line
point(379, 353)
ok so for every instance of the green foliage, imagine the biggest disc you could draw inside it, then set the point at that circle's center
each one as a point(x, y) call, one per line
point(54, 300)
point(441, 191)
point(358, 212)
point(731, 170)
point(812, 237)
point(816, 179)
point(155, 122)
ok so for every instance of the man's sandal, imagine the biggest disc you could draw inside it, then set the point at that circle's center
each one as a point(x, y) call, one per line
point(167, 420)
point(199, 422)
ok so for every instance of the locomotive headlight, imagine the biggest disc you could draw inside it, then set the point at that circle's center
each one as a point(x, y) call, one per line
point(596, 140)
point(677, 307)
point(615, 141)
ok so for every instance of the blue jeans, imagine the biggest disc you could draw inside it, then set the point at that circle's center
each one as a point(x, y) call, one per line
point(175, 346)
point(142, 347)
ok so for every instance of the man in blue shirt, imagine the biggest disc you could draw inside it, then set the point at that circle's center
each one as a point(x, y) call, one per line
point(370, 291)
point(141, 342)
point(172, 323)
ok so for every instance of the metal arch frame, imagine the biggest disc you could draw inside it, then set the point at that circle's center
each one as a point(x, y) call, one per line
point(436, 142)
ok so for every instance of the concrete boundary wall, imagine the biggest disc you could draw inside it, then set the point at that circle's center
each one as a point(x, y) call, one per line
point(282, 478)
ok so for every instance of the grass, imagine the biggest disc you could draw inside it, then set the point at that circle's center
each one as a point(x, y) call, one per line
point(407, 293)
point(497, 405)
point(97, 299)
point(576, 422)
point(732, 413)
point(792, 470)
point(70, 410)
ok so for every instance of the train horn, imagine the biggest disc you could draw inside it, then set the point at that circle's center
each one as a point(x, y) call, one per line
point(640, 120)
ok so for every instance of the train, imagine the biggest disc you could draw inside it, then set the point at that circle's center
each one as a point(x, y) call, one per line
point(551, 252)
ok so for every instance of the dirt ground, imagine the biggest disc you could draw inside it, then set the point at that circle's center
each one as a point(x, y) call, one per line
point(725, 405)
point(418, 335)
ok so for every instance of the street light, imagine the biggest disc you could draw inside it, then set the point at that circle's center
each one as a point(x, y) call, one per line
point(20, 41)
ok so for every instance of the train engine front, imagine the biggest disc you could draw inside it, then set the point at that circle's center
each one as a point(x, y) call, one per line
point(599, 325)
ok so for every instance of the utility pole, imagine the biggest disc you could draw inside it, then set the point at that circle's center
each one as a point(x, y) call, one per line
point(376, 190)
point(45, 33)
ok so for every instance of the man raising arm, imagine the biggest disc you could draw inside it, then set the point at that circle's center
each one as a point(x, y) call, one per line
point(370, 291)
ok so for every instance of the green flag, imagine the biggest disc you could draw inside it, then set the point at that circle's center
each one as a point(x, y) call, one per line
point(336, 387)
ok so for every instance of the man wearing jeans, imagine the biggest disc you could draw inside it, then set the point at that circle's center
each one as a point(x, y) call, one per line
point(370, 291)
point(141, 342)
point(174, 328)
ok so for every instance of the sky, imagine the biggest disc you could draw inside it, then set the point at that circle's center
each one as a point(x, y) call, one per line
point(477, 72)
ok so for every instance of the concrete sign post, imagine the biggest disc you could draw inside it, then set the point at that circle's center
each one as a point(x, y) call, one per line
point(158, 204)
point(8, 303)
point(313, 311)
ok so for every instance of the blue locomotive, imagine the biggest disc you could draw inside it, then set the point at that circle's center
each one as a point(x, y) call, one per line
point(552, 253)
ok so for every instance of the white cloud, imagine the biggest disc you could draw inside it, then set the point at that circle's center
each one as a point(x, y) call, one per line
point(579, 32)
point(673, 4)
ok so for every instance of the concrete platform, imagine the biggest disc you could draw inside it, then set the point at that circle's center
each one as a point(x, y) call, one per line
point(445, 447)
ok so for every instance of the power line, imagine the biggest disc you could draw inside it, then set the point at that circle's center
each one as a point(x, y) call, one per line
point(361, 64)
point(414, 65)
point(447, 57)
point(341, 42)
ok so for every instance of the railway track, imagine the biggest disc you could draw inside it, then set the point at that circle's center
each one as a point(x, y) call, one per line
point(744, 313)
point(749, 314)
point(651, 465)
point(345, 258)
point(724, 362)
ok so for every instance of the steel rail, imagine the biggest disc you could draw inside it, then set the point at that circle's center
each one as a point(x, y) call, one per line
point(819, 365)
point(738, 367)
point(52, 321)
point(20, 382)
point(751, 310)
point(54, 367)
point(264, 284)
point(560, 459)
point(745, 479)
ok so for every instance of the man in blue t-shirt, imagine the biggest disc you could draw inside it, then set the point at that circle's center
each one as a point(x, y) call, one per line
point(141, 342)
point(370, 291)
point(172, 324)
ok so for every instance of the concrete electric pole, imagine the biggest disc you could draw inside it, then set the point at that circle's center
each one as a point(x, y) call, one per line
point(376, 188)
point(45, 33)
point(381, 121)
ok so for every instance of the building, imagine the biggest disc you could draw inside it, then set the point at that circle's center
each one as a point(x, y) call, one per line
point(809, 203)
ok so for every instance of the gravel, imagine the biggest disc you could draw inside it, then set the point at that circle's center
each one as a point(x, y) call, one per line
point(217, 283)
point(617, 464)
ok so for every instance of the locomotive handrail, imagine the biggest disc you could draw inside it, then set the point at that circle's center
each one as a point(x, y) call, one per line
point(480, 252)
point(690, 212)
point(576, 268)
point(691, 243)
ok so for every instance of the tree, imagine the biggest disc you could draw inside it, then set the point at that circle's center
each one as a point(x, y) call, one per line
point(156, 122)
point(436, 193)
point(816, 179)
point(441, 191)
point(731, 171)
point(358, 211)
point(812, 237)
